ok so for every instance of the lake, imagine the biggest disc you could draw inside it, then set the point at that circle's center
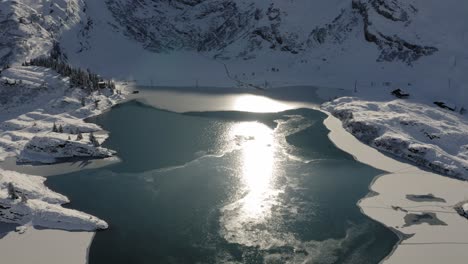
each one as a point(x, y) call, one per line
point(226, 187)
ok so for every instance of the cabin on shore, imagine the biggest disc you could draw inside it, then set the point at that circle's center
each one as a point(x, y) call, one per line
point(400, 94)
point(102, 84)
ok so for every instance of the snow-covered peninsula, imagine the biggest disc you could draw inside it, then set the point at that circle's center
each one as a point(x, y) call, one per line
point(26, 201)
point(42, 122)
point(427, 135)
point(43, 118)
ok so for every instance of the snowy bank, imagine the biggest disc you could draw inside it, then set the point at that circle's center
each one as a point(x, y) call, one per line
point(417, 205)
point(34, 100)
point(424, 134)
point(42, 121)
point(46, 246)
point(52, 148)
point(25, 200)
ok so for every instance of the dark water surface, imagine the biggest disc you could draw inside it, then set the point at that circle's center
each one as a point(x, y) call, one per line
point(217, 187)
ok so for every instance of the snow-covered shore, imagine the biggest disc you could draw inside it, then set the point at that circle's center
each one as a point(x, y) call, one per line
point(46, 232)
point(42, 121)
point(33, 101)
point(423, 134)
point(418, 205)
point(46, 246)
point(31, 203)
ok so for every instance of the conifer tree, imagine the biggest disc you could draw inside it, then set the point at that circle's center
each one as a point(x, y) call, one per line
point(77, 77)
point(24, 199)
point(93, 140)
point(12, 191)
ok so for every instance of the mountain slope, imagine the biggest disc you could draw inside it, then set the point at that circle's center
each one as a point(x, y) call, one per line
point(29, 28)
point(269, 43)
point(214, 25)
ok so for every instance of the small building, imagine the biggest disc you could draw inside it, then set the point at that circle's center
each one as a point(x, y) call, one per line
point(102, 85)
point(400, 94)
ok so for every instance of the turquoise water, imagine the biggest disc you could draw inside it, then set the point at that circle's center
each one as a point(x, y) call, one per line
point(219, 187)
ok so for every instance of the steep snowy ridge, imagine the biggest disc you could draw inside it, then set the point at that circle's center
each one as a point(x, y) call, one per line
point(214, 25)
point(393, 46)
point(330, 43)
point(203, 25)
point(29, 28)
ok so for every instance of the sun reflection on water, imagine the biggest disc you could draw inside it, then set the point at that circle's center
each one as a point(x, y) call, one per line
point(257, 168)
point(259, 104)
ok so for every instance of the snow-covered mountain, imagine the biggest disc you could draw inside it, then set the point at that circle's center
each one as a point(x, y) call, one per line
point(417, 43)
point(288, 26)
point(369, 46)
point(29, 28)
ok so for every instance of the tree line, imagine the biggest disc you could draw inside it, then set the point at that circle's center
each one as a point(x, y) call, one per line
point(78, 77)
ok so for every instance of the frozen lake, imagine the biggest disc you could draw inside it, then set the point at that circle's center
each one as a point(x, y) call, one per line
point(226, 186)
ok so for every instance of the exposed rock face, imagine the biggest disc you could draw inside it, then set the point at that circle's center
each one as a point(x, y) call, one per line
point(203, 25)
point(393, 10)
point(392, 46)
point(225, 29)
point(214, 25)
point(335, 32)
point(210, 25)
point(196, 25)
